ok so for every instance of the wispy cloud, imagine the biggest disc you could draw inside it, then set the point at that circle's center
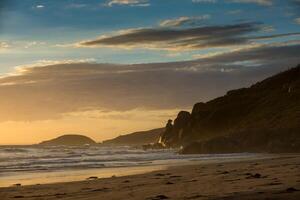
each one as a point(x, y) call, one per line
point(235, 12)
point(34, 44)
point(176, 39)
point(4, 45)
point(21, 45)
point(259, 2)
point(265, 37)
point(39, 6)
point(180, 21)
point(43, 63)
point(268, 29)
point(204, 1)
point(184, 39)
point(76, 5)
point(128, 2)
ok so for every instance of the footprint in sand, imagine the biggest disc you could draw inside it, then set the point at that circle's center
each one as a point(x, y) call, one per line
point(291, 189)
point(92, 178)
point(100, 190)
point(257, 175)
point(169, 183)
point(175, 176)
point(158, 197)
point(19, 197)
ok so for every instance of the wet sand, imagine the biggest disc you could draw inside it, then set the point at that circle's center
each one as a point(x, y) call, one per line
point(272, 178)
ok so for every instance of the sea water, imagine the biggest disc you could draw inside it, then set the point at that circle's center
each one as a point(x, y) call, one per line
point(35, 165)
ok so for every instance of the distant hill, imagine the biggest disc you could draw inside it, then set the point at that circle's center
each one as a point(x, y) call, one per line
point(262, 118)
point(136, 138)
point(69, 140)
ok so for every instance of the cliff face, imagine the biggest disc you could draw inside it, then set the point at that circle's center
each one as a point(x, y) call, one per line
point(176, 134)
point(69, 140)
point(264, 117)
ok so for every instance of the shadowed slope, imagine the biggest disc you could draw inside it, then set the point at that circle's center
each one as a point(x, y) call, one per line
point(264, 117)
point(136, 138)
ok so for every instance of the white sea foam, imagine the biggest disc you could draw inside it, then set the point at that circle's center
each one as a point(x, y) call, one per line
point(18, 162)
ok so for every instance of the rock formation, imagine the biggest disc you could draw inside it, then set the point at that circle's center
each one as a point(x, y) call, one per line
point(136, 138)
point(262, 118)
point(69, 140)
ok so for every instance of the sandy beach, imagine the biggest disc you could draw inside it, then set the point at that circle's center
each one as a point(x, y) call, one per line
point(273, 178)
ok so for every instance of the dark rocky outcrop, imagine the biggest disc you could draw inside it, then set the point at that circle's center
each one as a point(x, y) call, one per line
point(136, 138)
point(153, 146)
point(279, 141)
point(262, 118)
point(69, 140)
point(174, 134)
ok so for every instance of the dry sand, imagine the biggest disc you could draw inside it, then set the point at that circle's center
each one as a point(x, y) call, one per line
point(274, 178)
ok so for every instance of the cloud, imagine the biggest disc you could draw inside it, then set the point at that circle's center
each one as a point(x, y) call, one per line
point(21, 44)
point(129, 115)
point(4, 45)
point(19, 70)
point(76, 6)
point(296, 10)
point(176, 39)
point(191, 21)
point(235, 12)
point(184, 39)
point(33, 44)
point(128, 2)
point(267, 29)
point(39, 6)
point(54, 89)
point(285, 53)
point(204, 1)
point(266, 37)
point(259, 2)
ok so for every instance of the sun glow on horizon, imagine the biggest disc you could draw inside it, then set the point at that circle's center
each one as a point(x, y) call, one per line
point(98, 126)
point(130, 65)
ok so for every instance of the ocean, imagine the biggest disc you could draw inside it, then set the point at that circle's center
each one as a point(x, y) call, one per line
point(34, 165)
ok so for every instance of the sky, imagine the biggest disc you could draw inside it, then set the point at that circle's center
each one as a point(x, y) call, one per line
point(108, 67)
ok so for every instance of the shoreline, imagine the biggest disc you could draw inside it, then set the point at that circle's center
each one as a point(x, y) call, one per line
point(277, 177)
point(74, 175)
